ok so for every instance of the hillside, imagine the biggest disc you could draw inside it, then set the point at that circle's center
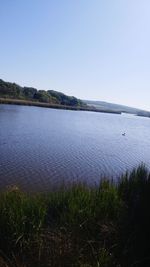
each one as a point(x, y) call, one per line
point(14, 91)
point(116, 107)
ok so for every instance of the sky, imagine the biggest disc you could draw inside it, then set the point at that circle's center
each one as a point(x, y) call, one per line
point(92, 49)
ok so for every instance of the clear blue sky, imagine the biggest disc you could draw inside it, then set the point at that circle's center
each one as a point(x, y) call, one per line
point(92, 49)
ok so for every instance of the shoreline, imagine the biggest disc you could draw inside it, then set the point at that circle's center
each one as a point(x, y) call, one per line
point(55, 106)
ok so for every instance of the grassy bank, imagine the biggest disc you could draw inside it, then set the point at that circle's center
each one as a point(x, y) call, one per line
point(48, 105)
point(104, 226)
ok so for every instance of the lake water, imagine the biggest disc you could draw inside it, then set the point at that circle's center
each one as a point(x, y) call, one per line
point(42, 148)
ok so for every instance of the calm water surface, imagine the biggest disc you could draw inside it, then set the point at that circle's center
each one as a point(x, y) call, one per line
point(41, 148)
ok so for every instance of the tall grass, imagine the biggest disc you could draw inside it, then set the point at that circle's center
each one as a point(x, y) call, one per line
point(104, 226)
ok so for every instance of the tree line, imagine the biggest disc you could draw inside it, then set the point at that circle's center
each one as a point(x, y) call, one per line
point(15, 91)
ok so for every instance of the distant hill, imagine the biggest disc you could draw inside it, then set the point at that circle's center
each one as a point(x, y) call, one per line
point(116, 107)
point(10, 90)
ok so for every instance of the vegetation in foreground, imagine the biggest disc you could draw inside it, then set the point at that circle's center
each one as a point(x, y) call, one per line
point(104, 226)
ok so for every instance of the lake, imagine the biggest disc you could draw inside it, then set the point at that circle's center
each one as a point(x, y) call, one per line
point(42, 148)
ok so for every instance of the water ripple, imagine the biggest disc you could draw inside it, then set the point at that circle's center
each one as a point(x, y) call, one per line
point(43, 148)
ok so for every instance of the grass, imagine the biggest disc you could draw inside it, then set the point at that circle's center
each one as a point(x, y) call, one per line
point(102, 226)
point(51, 105)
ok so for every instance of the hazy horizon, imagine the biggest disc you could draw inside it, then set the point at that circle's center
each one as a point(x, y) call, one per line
point(93, 50)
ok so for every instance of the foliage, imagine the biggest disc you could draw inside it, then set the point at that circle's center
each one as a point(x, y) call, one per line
point(105, 225)
point(14, 91)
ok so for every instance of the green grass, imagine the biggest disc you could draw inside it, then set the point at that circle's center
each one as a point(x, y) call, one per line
point(101, 226)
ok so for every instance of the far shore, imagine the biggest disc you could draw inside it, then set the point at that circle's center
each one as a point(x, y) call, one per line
point(55, 106)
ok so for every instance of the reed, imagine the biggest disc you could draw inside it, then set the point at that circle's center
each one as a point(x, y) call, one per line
point(105, 225)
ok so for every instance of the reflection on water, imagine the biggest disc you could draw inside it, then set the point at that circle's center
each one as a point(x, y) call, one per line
point(41, 148)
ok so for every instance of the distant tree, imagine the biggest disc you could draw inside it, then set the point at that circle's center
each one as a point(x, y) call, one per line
point(13, 90)
point(29, 92)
